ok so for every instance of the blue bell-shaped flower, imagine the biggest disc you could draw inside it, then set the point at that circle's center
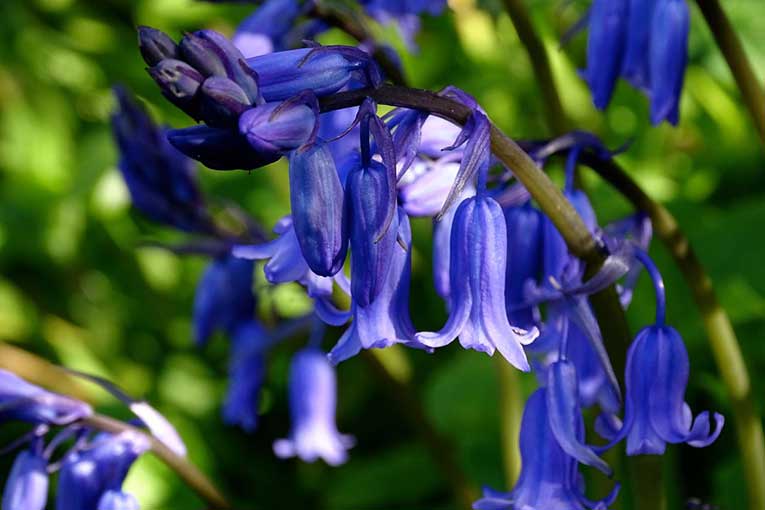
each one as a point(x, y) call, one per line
point(477, 285)
point(636, 53)
point(524, 249)
point(313, 400)
point(87, 474)
point(655, 410)
point(219, 148)
point(606, 41)
point(281, 126)
point(549, 478)
point(385, 319)
point(27, 484)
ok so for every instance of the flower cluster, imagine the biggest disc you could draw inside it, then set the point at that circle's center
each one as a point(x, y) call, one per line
point(646, 43)
point(500, 264)
point(93, 465)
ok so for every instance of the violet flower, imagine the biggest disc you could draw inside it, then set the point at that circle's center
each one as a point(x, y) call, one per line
point(313, 400)
point(27, 484)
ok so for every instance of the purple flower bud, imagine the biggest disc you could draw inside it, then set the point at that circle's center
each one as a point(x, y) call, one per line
point(280, 127)
point(313, 397)
point(20, 400)
point(316, 197)
point(219, 149)
point(155, 45)
point(323, 70)
point(27, 484)
point(179, 83)
point(366, 197)
point(477, 285)
point(222, 101)
point(212, 54)
point(117, 500)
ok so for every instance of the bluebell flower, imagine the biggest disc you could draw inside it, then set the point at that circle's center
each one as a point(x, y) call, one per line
point(20, 400)
point(605, 47)
point(655, 411)
point(668, 57)
point(27, 484)
point(385, 319)
point(313, 401)
point(224, 297)
point(266, 30)
point(286, 262)
point(247, 370)
point(160, 180)
point(442, 242)
point(87, 474)
point(323, 70)
point(549, 478)
point(477, 285)
point(424, 190)
point(636, 58)
point(317, 198)
point(117, 500)
point(221, 102)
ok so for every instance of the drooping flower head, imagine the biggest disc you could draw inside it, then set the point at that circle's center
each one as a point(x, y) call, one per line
point(313, 399)
point(549, 478)
point(20, 400)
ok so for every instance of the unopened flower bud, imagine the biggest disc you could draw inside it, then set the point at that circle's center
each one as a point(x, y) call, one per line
point(179, 82)
point(219, 149)
point(278, 126)
point(155, 45)
point(222, 101)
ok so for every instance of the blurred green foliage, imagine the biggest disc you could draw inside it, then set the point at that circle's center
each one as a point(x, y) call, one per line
point(76, 288)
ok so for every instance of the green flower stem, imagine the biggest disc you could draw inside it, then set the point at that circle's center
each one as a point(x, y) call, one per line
point(722, 338)
point(733, 51)
point(557, 119)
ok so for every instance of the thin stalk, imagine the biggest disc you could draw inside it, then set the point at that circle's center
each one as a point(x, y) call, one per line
point(540, 62)
point(722, 338)
point(733, 51)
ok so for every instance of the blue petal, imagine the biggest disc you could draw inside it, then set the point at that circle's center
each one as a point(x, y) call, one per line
point(27, 484)
point(668, 57)
point(605, 47)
